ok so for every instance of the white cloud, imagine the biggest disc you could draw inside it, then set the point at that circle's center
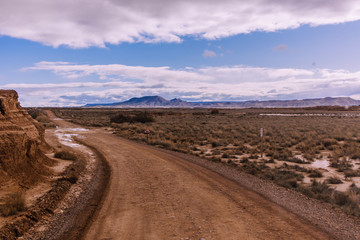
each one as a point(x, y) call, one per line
point(83, 23)
point(209, 54)
point(158, 74)
point(120, 82)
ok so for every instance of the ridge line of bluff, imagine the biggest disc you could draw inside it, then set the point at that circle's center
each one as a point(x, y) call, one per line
point(21, 143)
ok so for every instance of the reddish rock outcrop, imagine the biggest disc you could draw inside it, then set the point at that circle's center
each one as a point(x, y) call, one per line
point(21, 140)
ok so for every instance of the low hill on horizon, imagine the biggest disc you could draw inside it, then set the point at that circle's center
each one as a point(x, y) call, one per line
point(160, 102)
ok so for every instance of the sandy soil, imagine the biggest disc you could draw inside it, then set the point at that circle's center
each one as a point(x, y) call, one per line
point(157, 195)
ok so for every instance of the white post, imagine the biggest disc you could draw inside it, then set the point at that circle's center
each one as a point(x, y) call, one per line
point(261, 141)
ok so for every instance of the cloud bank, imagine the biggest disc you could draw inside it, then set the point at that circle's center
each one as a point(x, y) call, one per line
point(117, 82)
point(83, 23)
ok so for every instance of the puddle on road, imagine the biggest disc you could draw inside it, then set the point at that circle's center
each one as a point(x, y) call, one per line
point(77, 129)
point(66, 137)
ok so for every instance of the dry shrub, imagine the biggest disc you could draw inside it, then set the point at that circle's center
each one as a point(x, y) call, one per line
point(314, 173)
point(351, 173)
point(321, 191)
point(286, 178)
point(327, 142)
point(341, 199)
point(214, 111)
point(142, 117)
point(297, 160)
point(65, 155)
point(14, 203)
point(43, 119)
point(333, 180)
point(225, 155)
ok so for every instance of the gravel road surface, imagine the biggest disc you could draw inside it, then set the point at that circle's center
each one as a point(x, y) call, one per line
point(158, 195)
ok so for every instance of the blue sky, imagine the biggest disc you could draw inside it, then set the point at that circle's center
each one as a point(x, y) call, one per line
point(70, 54)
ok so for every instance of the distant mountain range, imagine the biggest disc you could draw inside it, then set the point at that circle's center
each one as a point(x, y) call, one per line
point(160, 102)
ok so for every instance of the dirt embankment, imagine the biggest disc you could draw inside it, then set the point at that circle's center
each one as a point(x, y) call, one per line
point(60, 196)
point(71, 216)
point(74, 205)
point(21, 142)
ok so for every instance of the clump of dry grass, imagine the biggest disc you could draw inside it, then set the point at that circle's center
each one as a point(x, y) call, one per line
point(13, 204)
point(315, 174)
point(65, 155)
point(333, 180)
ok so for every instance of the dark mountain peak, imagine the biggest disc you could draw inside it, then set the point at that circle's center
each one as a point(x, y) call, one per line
point(147, 100)
point(176, 100)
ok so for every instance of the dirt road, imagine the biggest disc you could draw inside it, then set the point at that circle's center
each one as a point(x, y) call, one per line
point(157, 195)
point(154, 194)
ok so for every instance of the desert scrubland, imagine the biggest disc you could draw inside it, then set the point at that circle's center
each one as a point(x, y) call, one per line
point(314, 151)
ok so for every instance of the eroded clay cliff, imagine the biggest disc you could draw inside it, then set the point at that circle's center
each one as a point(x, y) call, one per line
point(21, 140)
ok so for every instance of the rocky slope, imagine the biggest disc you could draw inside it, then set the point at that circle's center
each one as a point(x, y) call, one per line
point(21, 141)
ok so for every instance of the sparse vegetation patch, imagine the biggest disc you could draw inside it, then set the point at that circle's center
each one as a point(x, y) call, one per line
point(65, 155)
point(13, 204)
point(141, 117)
point(294, 142)
point(41, 117)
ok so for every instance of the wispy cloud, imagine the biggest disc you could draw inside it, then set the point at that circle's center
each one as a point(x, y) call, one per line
point(281, 47)
point(209, 54)
point(83, 23)
point(116, 82)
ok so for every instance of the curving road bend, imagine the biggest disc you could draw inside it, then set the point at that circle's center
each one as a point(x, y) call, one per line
point(157, 195)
